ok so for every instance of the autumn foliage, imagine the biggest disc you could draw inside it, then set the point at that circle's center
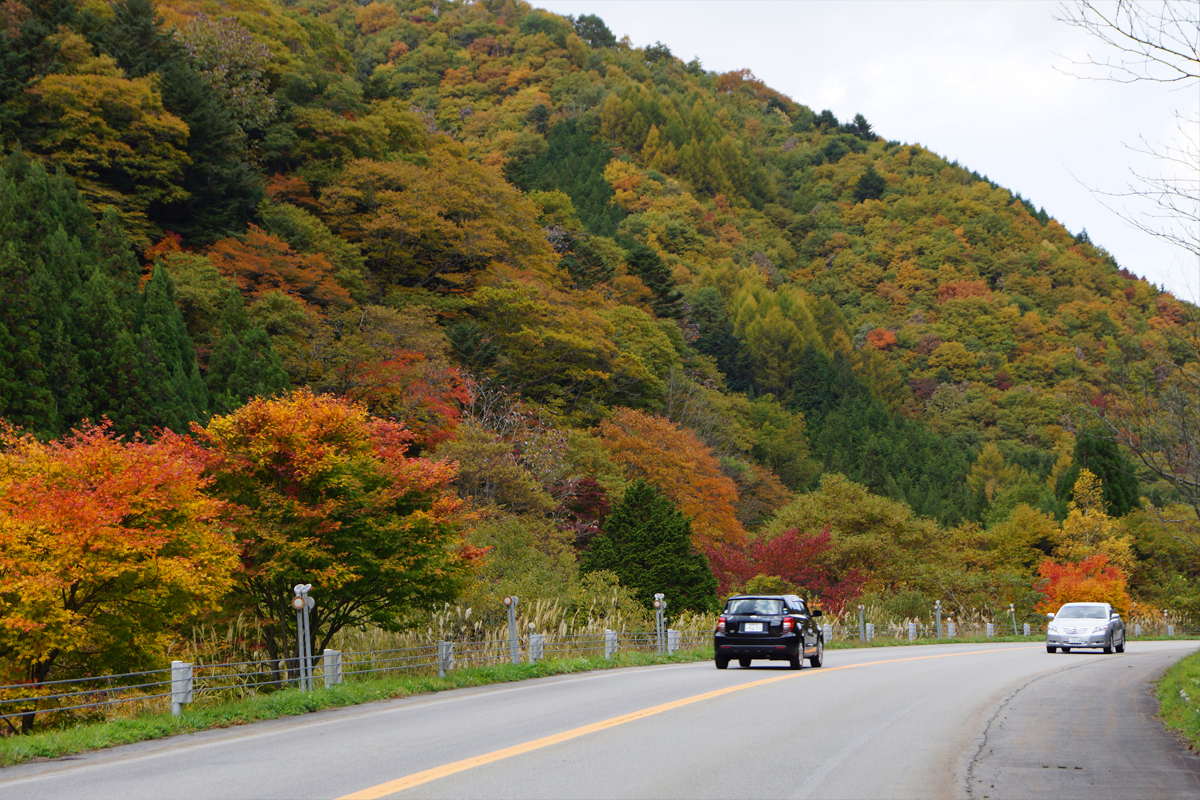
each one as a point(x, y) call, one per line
point(677, 463)
point(324, 493)
point(261, 263)
point(799, 559)
point(1092, 580)
point(105, 545)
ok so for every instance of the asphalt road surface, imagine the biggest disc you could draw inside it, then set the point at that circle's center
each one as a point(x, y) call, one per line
point(954, 721)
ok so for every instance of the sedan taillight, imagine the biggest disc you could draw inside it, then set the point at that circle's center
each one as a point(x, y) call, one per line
point(721, 624)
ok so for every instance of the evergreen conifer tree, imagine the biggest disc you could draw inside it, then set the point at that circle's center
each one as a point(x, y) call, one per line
point(647, 265)
point(170, 392)
point(243, 364)
point(647, 542)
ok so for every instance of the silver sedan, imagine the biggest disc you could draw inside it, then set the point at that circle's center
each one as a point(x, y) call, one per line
point(1093, 625)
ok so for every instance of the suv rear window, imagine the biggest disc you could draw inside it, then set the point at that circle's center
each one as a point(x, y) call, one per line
point(755, 605)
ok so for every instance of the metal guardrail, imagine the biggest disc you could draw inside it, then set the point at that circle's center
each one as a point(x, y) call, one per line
point(183, 682)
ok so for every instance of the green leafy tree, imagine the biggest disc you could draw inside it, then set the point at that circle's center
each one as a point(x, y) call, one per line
point(647, 542)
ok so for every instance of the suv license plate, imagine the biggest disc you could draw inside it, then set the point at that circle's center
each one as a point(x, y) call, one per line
point(752, 627)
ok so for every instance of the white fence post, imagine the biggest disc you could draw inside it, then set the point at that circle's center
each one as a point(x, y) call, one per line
point(912, 631)
point(672, 641)
point(828, 631)
point(536, 647)
point(1137, 629)
point(870, 631)
point(951, 629)
point(331, 665)
point(181, 686)
point(610, 643)
point(1026, 630)
point(445, 658)
point(1170, 630)
point(990, 630)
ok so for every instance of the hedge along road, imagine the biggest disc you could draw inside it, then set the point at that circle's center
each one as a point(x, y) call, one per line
point(970, 720)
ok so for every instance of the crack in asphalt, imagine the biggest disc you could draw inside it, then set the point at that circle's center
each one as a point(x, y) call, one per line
point(969, 777)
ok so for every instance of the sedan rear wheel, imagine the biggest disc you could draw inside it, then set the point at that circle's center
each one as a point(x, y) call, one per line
point(1051, 648)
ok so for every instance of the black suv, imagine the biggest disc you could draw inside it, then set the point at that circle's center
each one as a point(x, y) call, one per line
point(777, 627)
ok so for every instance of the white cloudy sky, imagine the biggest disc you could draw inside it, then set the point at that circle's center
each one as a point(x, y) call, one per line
point(978, 81)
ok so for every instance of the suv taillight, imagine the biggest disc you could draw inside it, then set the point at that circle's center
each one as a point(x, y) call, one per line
point(788, 624)
point(721, 624)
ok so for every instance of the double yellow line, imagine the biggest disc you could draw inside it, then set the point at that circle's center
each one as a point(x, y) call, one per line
point(425, 776)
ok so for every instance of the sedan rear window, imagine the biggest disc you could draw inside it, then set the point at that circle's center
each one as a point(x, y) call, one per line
point(755, 605)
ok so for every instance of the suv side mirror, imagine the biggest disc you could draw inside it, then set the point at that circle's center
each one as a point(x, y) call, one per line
point(816, 612)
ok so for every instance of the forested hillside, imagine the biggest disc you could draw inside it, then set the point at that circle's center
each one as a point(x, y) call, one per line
point(569, 264)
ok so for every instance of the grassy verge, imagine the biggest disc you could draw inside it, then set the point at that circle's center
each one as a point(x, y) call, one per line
point(1179, 698)
point(291, 702)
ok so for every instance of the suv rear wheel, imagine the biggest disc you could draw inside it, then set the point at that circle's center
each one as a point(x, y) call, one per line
point(722, 663)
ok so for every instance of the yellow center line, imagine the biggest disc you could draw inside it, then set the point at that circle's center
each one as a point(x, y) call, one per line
point(425, 776)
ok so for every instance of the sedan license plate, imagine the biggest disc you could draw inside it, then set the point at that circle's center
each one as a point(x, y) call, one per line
point(1075, 640)
point(752, 627)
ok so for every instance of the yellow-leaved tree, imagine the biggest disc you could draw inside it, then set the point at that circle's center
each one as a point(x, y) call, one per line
point(1088, 530)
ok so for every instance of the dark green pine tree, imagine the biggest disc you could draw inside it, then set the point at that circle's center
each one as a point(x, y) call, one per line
point(168, 389)
point(718, 340)
point(104, 347)
point(135, 38)
point(649, 266)
point(243, 364)
point(46, 247)
point(647, 542)
point(1104, 459)
point(25, 400)
point(871, 185)
point(119, 263)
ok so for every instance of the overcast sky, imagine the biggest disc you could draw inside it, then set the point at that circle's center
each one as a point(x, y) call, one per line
point(982, 82)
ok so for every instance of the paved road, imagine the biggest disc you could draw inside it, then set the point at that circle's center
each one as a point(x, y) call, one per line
point(954, 721)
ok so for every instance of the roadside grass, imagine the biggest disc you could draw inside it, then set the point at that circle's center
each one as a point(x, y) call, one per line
point(55, 743)
point(1179, 698)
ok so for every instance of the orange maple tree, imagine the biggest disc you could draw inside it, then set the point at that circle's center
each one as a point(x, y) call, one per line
point(677, 463)
point(1092, 580)
point(261, 263)
point(324, 493)
point(105, 545)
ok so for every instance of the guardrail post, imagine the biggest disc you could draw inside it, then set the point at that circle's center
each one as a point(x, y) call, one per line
point(445, 658)
point(331, 665)
point(1027, 630)
point(536, 647)
point(937, 607)
point(862, 630)
point(912, 631)
point(181, 686)
point(828, 631)
point(610, 643)
point(672, 641)
point(990, 630)
point(514, 649)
